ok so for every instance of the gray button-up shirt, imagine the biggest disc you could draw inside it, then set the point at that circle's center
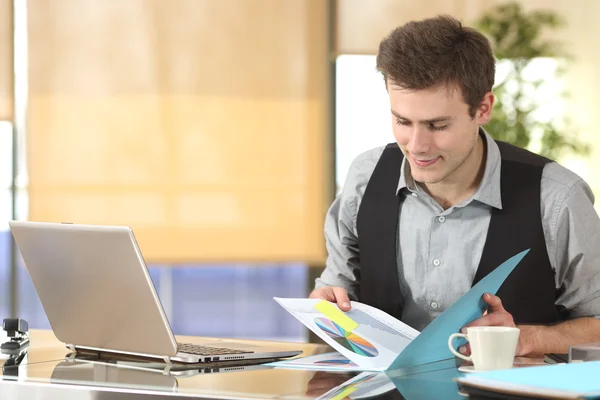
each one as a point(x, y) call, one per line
point(438, 259)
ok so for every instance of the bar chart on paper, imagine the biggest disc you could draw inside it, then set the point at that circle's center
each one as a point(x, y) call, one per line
point(379, 331)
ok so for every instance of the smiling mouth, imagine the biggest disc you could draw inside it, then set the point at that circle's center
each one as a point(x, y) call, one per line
point(424, 162)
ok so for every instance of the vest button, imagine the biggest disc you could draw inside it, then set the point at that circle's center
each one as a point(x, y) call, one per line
point(436, 262)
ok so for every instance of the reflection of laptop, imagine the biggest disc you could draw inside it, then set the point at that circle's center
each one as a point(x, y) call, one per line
point(99, 374)
point(143, 369)
point(97, 294)
point(113, 373)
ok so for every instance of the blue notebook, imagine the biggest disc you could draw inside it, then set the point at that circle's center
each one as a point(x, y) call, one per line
point(565, 381)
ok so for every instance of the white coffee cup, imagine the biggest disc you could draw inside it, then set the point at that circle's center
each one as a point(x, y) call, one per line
point(492, 347)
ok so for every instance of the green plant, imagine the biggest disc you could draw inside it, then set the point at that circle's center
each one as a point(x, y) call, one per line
point(517, 37)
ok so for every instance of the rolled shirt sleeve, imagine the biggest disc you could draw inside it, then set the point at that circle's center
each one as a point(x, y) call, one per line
point(573, 241)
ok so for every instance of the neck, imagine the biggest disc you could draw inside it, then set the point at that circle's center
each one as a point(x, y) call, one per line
point(463, 182)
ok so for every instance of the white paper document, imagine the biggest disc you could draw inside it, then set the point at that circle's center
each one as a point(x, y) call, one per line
point(332, 361)
point(373, 341)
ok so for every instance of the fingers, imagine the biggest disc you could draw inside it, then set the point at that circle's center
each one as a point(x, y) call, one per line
point(324, 293)
point(333, 294)
point(465, 349)
point(495, 315)
point(494, 319)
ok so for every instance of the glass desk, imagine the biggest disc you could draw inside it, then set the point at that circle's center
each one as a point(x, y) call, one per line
point(48, 371)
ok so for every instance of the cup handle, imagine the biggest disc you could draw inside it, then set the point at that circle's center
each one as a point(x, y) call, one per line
point(456, 353)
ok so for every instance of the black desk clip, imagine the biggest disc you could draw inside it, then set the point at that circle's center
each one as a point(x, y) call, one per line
point(16, 329)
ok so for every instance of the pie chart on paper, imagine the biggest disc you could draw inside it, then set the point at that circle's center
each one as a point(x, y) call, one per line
point(348, 340)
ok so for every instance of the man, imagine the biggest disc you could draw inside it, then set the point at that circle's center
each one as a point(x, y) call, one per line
point(421, 221)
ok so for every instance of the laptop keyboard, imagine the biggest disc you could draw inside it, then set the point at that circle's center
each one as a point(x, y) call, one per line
point(207, 350)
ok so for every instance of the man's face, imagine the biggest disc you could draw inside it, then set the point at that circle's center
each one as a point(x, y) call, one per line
point(436, 133)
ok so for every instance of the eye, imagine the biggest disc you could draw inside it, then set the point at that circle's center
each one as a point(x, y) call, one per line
point(435, 127)
point(402, 122)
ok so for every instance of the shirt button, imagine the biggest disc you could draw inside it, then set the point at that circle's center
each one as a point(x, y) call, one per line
point(436, 262)
point(434, 305)
point(442, 219)
point(414, 194)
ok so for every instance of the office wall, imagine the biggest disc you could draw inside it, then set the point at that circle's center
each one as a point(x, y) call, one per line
point(202, 124)
point(362, 25)
point(6, 58)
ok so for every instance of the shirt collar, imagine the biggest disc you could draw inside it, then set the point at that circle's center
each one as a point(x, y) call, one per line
point(488, 191)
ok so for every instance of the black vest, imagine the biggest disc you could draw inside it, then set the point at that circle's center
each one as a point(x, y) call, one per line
point(528, 293)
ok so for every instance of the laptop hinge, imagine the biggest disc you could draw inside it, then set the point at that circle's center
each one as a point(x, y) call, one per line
point(98, 351)
point(167, 370)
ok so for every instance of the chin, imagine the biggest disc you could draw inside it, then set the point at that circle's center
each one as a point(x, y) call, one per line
point(428, 180)
point(425, 174)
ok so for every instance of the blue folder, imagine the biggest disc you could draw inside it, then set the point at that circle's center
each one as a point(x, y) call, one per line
point(431, 344)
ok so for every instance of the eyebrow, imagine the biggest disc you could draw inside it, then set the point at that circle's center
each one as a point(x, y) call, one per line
point(426, 121)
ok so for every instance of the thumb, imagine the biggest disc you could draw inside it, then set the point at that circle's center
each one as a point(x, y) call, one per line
point(494, 302)
point(341, 298)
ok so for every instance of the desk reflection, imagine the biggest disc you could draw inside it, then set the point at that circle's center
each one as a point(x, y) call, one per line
point(429, 381)
point(90, 373)
point(335, 385)
point(12, 360)
point(324, 381)
point(114, 372)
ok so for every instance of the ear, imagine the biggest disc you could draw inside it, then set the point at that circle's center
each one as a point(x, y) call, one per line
point(484, 111)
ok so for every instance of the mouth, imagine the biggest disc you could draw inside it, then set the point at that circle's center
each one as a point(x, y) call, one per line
point(422, 163)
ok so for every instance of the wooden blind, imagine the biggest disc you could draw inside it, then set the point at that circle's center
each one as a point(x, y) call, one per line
point(6, 60)
point(200, 123)
point(361, 25)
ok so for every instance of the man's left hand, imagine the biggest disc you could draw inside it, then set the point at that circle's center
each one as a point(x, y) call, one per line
point(495, 315)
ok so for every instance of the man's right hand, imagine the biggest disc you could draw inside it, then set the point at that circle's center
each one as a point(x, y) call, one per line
point(333, 294)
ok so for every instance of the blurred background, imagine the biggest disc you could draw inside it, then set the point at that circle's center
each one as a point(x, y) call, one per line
point(220, 131)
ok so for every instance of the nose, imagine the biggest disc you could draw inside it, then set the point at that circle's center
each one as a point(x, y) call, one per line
point(420, 140)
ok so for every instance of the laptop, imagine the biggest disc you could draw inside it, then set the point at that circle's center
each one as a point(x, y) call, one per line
point(98, 296)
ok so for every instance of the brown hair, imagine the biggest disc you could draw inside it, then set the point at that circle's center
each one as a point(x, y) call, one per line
point(438, 52)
